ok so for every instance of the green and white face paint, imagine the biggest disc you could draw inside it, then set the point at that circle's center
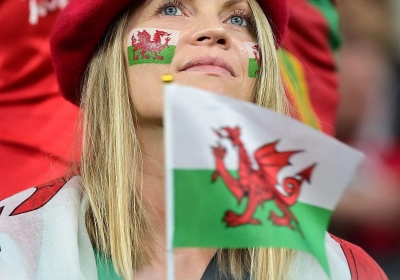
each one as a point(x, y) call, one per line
point(253, 49)
point(151, 45)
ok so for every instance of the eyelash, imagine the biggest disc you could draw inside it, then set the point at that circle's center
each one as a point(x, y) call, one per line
point(168, 3)
point(245, 16)
point(242, 13)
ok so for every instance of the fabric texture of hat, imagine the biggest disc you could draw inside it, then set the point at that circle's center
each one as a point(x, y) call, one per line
point(82, 24)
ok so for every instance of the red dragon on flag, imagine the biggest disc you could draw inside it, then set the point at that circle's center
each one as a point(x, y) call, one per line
point(259, 186)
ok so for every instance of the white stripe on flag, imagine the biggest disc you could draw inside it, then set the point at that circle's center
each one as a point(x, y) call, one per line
point(194, 113)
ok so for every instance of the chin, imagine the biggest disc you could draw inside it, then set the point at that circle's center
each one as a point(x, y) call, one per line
point(151, 121)
point(210, 82)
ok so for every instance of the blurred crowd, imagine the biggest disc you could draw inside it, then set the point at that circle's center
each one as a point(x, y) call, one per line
point(369, 119)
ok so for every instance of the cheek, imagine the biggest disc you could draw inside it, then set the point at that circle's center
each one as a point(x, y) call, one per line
point(251, 62)
point(151, 45)
point(250, 56)
point(149, 53)
point(247, 89)
point(147, 89)
point(253, 58)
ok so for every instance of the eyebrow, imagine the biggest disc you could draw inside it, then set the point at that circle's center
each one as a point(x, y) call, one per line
point(231, 3)
point(227, 4)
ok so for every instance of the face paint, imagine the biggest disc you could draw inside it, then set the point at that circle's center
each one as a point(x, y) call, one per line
point(253, 50)
point(151, 45)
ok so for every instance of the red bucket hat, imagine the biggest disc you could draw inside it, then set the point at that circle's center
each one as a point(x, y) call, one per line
point(81, 25)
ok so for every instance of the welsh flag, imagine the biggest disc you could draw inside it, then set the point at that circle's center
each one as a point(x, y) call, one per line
point(243, 176)
point(253, 51)
point(151, 45)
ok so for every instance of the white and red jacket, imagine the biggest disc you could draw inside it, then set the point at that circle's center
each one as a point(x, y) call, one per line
point(43, 236)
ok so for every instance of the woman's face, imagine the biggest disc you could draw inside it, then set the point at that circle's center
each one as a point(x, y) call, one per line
point(210, 38)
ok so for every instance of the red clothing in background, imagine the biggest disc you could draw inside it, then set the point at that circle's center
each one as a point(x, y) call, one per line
point(36, 124)
point(308, 62)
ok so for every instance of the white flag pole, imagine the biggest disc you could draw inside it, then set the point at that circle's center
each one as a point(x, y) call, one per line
point(169, 191)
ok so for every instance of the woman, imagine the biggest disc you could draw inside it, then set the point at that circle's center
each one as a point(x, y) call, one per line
point(120, 93)
point(212, 36)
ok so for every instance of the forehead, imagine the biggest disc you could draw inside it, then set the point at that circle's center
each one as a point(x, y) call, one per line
point(144, 10)
point(223, 2)
point(220, 3)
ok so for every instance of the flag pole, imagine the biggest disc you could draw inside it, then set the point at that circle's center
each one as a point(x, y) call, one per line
point(170, 227)
point(169, 190)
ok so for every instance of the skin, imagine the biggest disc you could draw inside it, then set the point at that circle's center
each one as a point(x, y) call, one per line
point(206, 29)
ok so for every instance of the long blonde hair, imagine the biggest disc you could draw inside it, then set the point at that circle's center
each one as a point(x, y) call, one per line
point(111, 160)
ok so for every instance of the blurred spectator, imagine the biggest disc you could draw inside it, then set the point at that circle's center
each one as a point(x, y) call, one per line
point(368, 74)
point(37, 124)
point(308, 62)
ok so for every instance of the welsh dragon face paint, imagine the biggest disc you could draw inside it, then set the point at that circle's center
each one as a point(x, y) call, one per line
point(254, 52)
point(151, 45)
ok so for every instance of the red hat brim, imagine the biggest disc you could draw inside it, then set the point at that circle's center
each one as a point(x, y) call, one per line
point(82, 24)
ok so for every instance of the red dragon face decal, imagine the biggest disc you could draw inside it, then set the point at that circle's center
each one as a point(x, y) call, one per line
point(259, 186)
point(144, 46)
point(256, 52)
point(255, 61)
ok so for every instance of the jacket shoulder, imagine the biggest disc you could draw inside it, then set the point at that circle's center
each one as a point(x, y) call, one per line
point(361, 265)
point(33, 198)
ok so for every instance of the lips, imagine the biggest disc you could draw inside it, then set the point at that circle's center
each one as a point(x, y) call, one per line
point(209, 64)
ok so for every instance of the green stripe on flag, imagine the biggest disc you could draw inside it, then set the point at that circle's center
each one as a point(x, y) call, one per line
point(201, 205)
point(253, 68)
point(167, 54)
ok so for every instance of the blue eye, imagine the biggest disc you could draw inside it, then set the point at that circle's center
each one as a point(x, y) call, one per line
point(238, 20)
point(172, 11)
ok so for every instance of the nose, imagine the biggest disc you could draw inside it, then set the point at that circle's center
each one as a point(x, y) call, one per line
point(210, 32)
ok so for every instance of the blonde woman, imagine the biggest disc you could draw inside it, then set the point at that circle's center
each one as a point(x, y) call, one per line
point(100, 53)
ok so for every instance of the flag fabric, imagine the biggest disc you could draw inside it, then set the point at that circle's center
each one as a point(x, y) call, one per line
point(43, 234)
point(151, 45)
point(307, 61)
point(244, 176)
